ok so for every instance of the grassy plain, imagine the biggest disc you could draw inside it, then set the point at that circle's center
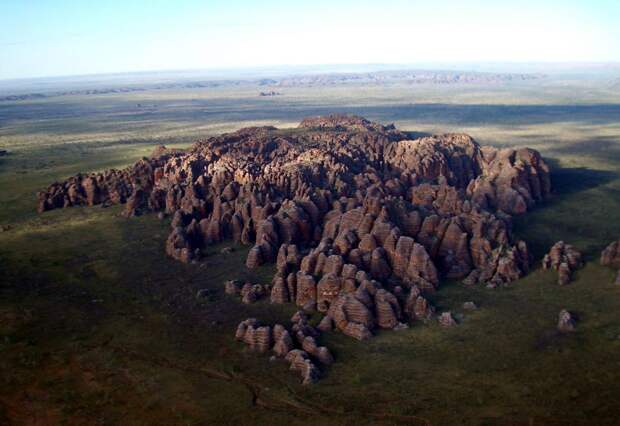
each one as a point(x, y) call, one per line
point(98, 326)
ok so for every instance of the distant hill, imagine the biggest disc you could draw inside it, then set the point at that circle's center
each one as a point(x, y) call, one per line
point(318, 79)
point(406, 76)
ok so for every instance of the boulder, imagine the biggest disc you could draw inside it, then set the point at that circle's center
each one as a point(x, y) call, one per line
point(447, 320)
point(470, 306)
point(566, 322)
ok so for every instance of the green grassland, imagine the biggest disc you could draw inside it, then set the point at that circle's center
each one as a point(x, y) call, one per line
point(98, 326)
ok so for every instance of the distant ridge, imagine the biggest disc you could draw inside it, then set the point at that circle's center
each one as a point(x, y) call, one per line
point(406, 76)
point(296, 80)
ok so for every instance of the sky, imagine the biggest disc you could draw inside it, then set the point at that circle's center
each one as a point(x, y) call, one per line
point(61, 37)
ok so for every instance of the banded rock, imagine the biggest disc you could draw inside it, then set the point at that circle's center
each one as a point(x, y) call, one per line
point(566, 322)
point(610, 256)
point(563, 258)
point(363, 193)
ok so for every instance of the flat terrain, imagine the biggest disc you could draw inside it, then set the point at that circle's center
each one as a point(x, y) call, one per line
point(98, 326)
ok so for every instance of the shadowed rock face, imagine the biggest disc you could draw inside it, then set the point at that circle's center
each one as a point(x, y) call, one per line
point(350, 200)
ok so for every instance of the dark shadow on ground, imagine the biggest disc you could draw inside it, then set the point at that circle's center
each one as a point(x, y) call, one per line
point(570, 180)
point(4, 160)
point(602, 148)
point(581, 210)
point(111, 113)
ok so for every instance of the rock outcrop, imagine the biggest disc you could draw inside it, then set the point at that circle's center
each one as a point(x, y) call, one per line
point(447, 320)
point(563, 258)
point(135, 184)
point(301, 352)
point(611, 255)
point(339, 196)
point(258, 338)
point(361, 221)
point(566, 322)
point(470, 306)
point(250, 293)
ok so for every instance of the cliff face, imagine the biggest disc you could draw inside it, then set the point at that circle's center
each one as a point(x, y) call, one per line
point(337, 202)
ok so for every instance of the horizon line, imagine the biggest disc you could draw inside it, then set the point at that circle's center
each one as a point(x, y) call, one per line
point(275, 67)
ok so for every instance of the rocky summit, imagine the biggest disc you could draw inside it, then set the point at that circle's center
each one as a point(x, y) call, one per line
point(338, 201)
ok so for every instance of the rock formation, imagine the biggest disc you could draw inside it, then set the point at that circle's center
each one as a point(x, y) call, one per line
point(360, 220)
point(611, 255)
point(447, 320)
point(135, 185)
point(305, 358)
point(415, 210)
point(257, 337)
point(470, 306)
point(248, 292)
point(566, 322)
point(563, 258)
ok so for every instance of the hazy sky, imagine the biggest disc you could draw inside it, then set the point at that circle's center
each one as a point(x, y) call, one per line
point(56, 37)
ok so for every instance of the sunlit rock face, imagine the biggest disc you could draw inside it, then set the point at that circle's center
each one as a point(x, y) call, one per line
point(345, 206)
